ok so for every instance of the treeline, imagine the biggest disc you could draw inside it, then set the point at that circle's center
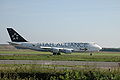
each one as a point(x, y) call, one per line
point(111, 49)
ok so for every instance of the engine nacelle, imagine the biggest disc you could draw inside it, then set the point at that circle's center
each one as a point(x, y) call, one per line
point(67, 51)
point(55, 50)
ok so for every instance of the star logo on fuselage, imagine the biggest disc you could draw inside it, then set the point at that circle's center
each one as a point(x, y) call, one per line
point(15, 36)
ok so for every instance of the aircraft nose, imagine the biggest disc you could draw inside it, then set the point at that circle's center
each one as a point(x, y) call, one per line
point(98, 47)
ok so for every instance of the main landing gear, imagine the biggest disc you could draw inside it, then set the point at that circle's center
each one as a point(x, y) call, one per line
point(57, 53)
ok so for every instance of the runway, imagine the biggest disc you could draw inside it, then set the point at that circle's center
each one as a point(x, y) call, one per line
point(67, 63)
point(92, 64)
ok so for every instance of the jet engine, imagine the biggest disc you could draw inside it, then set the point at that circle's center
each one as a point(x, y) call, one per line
point(55, 50)
point(66, 51)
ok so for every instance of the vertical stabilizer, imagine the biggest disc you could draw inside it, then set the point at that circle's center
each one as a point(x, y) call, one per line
point(15, 37)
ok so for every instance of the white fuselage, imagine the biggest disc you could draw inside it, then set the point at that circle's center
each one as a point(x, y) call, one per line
point(56, 48)
point(60, 47)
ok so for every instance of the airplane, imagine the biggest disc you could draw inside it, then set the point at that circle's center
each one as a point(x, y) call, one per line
point(56, 48)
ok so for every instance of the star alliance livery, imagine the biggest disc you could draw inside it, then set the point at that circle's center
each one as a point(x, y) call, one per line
point(56, 48)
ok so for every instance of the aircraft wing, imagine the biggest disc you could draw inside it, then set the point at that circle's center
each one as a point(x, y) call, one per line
point(57, 49)
point(45, 47)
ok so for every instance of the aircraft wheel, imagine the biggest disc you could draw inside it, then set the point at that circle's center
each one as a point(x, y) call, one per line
point(58, 54)
point(90, 54)
point(54, 53)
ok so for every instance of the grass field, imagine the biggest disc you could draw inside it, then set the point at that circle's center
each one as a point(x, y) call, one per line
point(36, 55)
point(50, 72)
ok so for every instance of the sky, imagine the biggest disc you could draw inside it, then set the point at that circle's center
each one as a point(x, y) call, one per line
point(62, 20)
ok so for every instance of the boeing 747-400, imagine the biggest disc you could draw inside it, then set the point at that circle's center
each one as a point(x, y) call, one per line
point(56, 48)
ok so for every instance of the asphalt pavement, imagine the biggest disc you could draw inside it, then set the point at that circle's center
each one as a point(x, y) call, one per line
point(67, 63)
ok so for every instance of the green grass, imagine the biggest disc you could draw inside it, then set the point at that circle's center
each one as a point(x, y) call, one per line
point(50, 72)
point(36, 55)
point(36, 72)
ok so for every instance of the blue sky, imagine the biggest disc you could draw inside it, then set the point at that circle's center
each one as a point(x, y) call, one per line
point(62, 20)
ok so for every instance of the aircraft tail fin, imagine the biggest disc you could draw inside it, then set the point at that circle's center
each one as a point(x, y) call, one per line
point(15, 37)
